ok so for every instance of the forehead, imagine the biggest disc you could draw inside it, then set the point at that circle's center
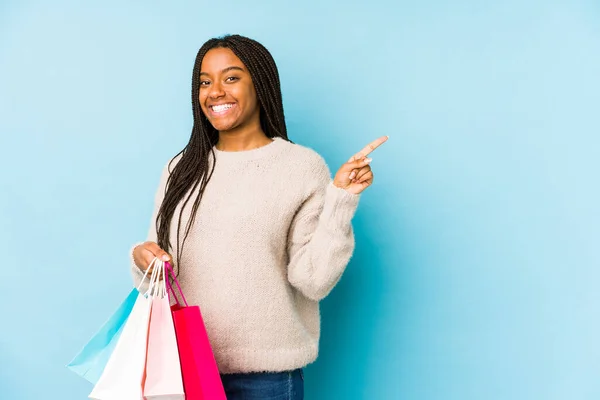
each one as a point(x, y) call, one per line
point(215, 60)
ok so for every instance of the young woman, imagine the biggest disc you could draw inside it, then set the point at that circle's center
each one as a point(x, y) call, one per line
point(257, 229)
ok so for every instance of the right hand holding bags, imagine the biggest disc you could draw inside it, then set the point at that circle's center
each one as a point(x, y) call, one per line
point(147, 332)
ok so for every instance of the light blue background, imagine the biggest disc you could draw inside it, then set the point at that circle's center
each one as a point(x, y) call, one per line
point(476, 273)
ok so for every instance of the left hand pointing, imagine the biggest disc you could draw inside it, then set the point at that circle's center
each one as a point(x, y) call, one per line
point(356, 175)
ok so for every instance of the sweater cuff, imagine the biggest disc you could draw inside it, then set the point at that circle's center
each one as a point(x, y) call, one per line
point(133, 264)
point(137, 273)
point(339, 207)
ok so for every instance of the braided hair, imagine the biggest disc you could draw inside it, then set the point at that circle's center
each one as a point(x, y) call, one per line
point(192, 170)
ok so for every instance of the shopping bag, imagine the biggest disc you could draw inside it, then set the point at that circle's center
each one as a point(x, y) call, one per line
point(122, 378)
point(89, 363)
point(201, 378)
point(163, 371)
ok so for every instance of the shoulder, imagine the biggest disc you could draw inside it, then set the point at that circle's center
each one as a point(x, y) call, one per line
point(305, 165)
point(170, 165)
point(167, 170)
point(304, 158)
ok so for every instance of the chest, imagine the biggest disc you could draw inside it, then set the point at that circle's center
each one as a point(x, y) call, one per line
point(254, 199)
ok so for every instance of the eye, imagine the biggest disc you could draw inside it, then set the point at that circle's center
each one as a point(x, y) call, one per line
point(232, 79)
point(204, 83)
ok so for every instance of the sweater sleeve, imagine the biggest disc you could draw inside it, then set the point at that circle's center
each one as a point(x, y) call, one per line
point(152, 236)
point(321, 238)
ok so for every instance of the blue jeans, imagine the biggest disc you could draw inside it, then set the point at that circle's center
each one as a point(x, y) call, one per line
point(288, 385)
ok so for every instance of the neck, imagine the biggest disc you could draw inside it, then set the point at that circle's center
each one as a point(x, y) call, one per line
point(241, 141)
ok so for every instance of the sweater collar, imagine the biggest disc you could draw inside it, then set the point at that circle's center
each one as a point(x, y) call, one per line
point(254, 154)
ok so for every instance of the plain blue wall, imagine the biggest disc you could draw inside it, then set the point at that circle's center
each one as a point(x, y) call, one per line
point(476, 271)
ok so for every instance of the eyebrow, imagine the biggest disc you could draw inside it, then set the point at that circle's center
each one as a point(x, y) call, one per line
point(233, 67)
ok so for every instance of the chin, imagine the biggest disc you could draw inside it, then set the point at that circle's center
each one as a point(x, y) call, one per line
point(223, 126)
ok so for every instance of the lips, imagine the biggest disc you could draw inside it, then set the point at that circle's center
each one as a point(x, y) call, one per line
point(221, 109)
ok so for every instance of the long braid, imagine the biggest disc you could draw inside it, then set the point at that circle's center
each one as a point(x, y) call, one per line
point(257, 58)
point(192, 170)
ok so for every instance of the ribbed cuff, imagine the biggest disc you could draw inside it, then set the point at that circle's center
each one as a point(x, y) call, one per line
point(340, 206)
point(133, 264)
point(137, 273)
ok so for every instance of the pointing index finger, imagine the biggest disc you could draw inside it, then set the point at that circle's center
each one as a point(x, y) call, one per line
point(371, 147)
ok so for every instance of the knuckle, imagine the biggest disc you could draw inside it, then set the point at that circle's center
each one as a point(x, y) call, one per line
point(148, 262)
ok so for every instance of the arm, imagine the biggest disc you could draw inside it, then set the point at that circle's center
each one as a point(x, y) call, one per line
point(136, 273)
point(321, 239)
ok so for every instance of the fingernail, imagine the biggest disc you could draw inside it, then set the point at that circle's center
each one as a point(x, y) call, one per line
point(352, 175)
point(368, 160)
point(165, 258)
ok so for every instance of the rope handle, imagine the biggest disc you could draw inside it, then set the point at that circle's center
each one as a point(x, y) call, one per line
point(170, 287)
point(156, 288)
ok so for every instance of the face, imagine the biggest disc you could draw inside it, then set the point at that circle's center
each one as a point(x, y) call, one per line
point(227, 95)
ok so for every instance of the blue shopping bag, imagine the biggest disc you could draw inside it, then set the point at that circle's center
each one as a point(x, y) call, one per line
point(89, 363)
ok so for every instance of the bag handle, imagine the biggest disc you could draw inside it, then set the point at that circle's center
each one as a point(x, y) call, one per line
point(146, 274)
point(155, 288)
point(160, 289)
point(172, 293)
point(170, 287)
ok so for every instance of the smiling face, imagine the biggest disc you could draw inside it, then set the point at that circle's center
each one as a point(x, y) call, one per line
point(227, 94)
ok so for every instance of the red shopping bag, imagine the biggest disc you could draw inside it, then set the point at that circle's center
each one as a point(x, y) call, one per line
point(201, 378)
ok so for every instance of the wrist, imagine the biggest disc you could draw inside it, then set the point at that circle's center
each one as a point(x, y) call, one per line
point(338, 185)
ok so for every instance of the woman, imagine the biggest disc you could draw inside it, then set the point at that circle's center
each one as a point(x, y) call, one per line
point(259, 231)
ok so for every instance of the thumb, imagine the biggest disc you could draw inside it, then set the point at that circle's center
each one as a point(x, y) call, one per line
point(356, 164)
point(155, 249)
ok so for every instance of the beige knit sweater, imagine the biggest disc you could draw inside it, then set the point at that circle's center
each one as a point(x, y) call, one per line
point(272, 237)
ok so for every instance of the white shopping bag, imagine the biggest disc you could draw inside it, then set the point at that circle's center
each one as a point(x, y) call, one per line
point(123, 376)
point(163, 370)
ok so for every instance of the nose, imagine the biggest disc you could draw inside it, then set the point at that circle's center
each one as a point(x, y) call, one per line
point(216, 90)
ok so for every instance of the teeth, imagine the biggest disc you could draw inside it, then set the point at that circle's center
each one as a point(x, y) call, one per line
point(221, 107)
